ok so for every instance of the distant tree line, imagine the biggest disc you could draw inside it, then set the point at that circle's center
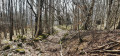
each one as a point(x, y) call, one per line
point(17, 16)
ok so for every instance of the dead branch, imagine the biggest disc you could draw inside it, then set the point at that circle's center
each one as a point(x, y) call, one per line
point(105, 51)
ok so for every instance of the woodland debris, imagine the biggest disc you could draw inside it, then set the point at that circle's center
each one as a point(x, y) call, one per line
point(108, 46)
point(105, 51)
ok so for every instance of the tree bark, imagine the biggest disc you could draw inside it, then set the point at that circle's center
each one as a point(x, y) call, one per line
point(11, 19)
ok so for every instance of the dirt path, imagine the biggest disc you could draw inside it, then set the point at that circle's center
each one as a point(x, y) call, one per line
point(58, 36)
point(52, 47)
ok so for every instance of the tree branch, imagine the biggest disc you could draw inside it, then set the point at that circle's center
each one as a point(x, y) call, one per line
point(31, 8)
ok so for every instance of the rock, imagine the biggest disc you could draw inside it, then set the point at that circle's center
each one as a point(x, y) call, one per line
point(6, 47)
point(36, 39)
point(21, 51)
point(19, 44)
point(41, 37)
point(44, 36)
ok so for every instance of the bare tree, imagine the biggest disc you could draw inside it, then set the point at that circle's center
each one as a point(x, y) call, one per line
point(11, 18)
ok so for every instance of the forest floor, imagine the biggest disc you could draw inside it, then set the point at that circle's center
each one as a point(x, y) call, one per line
point(67, 43)
point(47, 47)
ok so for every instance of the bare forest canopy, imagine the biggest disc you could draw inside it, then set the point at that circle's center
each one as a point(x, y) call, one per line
point(42, 15)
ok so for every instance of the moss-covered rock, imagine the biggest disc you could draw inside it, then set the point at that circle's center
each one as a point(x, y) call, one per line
point(43, 36)
point(36, 39)
point(6, 47)
point(19, 44)
point(21, 51)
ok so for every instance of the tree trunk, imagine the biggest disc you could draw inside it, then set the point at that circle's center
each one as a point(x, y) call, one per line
point(39, 23)
point(11, 20)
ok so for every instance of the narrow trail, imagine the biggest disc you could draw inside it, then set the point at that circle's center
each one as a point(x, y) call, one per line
point(57, 36)
point(52, 47)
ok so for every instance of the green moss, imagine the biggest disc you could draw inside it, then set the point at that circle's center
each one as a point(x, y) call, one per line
point(22, 51)
point(6, 47)
point(37, 39)
point(43, 36)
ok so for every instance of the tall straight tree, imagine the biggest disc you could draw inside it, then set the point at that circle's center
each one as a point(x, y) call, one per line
point(11, 18)
point(39, 23)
